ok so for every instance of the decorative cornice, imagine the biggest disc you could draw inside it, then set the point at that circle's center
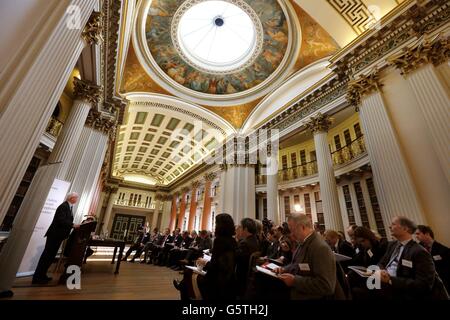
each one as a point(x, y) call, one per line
point(87, 91)
point(319, 123)
point(92, 32)
point(435, 51)
point(364, 85)
point(210, 176)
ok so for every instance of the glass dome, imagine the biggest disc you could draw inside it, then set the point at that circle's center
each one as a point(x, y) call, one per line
point(217, 36)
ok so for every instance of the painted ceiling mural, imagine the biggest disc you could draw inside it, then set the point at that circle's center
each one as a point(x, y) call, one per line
point(316, 44)
point(159, 41)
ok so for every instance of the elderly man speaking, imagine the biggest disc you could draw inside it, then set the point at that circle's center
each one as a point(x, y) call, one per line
point(58, 231)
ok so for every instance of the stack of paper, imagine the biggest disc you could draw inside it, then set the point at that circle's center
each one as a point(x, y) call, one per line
point(362, 271)
point(266, 271)
point(341, 257)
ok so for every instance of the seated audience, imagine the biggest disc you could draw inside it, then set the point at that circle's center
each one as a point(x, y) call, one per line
point(195, 251)
point(439, 253)
point(219, 283)
point(340, 246)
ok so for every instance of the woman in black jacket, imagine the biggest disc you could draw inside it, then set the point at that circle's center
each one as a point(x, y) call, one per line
point(219, 283)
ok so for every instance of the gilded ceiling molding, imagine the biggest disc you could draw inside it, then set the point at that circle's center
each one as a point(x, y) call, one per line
point(364, 85)
point(319, 123)
point(183, 111)
point(210, 176)
point(87, 91)
point(92, 32)
point(435, 51)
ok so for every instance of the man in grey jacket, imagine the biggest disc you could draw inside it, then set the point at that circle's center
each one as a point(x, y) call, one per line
point(312, 272)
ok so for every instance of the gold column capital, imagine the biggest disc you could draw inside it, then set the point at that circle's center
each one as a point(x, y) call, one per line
point(362, 86)
point(210, 176)
point(319, 123)
point(435, 50)
point(195, 184)
point(96, 121)
point(92, 32)
point(87, 91)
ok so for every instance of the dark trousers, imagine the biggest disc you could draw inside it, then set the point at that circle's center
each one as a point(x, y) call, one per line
point(132, 248)
point(48, 255)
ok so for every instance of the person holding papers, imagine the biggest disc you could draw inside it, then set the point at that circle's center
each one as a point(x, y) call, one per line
point(312, 273)
point(219, 283)
point(408, 270)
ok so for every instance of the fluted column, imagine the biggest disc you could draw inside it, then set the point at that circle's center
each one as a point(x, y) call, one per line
point(182, 212)
point(238, 191)
point(30, 91)
point(86, 163)
point(158, 198)
point(112, 198)
point(417, 64)
point(173, 212)
point(193, 206)
point(167, 207)
point(273, 208)
point(319, 125)
point(206, 222)
point(393, 183)
point(87, 95)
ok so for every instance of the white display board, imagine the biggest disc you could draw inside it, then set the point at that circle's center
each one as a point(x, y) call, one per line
point(55, 197)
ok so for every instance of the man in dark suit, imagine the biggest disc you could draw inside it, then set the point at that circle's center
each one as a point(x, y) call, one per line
point(340, 246)
point(312, 273)
point(439, 253)
point(58, 231)
point(408, 270)
point(247, 245)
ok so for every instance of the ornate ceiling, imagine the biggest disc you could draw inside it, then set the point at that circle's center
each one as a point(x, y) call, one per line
point(169, 92)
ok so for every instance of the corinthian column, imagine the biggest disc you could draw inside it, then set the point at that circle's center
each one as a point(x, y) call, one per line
point(87, 95)
point(193, 206)
point(182, 212)
point(206, 222)
point(319, 126)
point(158, 198)
point(85, 166)
point(29, 91)
point(417, 64)
point(393, 183)
point(173, 212)
point(112, 198)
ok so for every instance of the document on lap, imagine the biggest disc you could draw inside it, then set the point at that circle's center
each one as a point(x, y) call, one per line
point(206, 257)
point(267, 271)
point(196, 270)
point(361, 271)
point(341, 257)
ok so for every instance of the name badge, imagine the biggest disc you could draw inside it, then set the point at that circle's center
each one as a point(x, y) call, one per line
point(357, 250)
point(369, 252)
point(437, 258)
point(407, 263)
point(304, 267)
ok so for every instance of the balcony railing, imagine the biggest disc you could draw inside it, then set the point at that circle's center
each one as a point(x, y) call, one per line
point(54, 127)
point(354, 150)
point(351, 151)
point(127, 203)
point(303, 170)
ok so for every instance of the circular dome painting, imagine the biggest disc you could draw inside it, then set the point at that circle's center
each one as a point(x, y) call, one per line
point(215, 47)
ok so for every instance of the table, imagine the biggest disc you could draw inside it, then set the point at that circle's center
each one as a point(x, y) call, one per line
point(110, 243)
